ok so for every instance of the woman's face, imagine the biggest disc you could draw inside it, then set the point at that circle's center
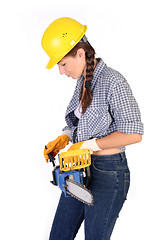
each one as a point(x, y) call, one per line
point(73, 66)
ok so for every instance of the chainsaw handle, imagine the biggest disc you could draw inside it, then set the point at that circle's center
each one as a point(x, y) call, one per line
point(52, 159)
point(88, 176)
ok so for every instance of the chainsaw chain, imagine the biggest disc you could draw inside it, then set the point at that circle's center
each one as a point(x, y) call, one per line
point(79, 185)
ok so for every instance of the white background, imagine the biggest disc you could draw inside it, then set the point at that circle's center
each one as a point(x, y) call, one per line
point(34, 99)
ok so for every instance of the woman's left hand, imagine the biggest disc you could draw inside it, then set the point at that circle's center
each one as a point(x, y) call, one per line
point(76, 146)
point(89, 144)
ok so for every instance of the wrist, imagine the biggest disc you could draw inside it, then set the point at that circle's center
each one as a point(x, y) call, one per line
point(67, 133)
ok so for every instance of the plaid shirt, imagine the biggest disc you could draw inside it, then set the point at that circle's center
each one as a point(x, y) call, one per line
point(113, 107)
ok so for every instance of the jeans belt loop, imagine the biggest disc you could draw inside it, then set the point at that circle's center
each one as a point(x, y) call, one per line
point(122, 156)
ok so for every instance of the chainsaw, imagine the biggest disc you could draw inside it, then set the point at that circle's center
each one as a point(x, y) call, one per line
point(73, 175)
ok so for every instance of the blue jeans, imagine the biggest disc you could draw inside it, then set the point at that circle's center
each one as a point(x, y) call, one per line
point(109, 186)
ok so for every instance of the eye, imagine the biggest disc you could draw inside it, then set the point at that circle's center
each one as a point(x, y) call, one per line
point(63, 64)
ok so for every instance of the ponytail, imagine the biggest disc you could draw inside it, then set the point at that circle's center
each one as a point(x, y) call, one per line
point(90, 55)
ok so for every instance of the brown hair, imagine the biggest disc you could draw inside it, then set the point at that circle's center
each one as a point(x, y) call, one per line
point(89, 54)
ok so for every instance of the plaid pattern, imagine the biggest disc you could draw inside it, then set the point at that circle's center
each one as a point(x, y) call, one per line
point(113, 107)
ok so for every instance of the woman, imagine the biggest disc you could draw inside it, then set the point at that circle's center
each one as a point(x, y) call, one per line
point(102, 116)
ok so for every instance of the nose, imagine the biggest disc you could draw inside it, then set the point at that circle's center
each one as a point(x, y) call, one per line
point(61, 69)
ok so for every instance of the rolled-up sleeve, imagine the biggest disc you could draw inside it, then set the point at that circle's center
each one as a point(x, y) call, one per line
point(124, 109)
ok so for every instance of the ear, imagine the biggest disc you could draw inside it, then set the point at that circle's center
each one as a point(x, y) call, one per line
point(81, 53)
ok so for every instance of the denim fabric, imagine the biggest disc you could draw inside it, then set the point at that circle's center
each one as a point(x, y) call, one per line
point(110, 184)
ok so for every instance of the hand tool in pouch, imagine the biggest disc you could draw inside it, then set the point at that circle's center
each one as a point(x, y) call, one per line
point(73, 175)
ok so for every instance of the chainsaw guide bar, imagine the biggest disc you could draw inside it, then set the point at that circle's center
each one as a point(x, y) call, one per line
point(79, 192)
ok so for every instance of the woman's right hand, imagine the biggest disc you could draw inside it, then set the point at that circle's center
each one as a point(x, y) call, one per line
point(55, 146)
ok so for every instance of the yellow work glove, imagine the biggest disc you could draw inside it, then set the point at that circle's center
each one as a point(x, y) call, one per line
point(76, 146)
point(55, 146)
point(89, 144)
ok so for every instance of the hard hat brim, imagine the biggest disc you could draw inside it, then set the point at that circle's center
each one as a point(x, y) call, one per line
point(51, 63)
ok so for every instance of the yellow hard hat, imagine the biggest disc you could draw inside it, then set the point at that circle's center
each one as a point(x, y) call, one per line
point(60, 37)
